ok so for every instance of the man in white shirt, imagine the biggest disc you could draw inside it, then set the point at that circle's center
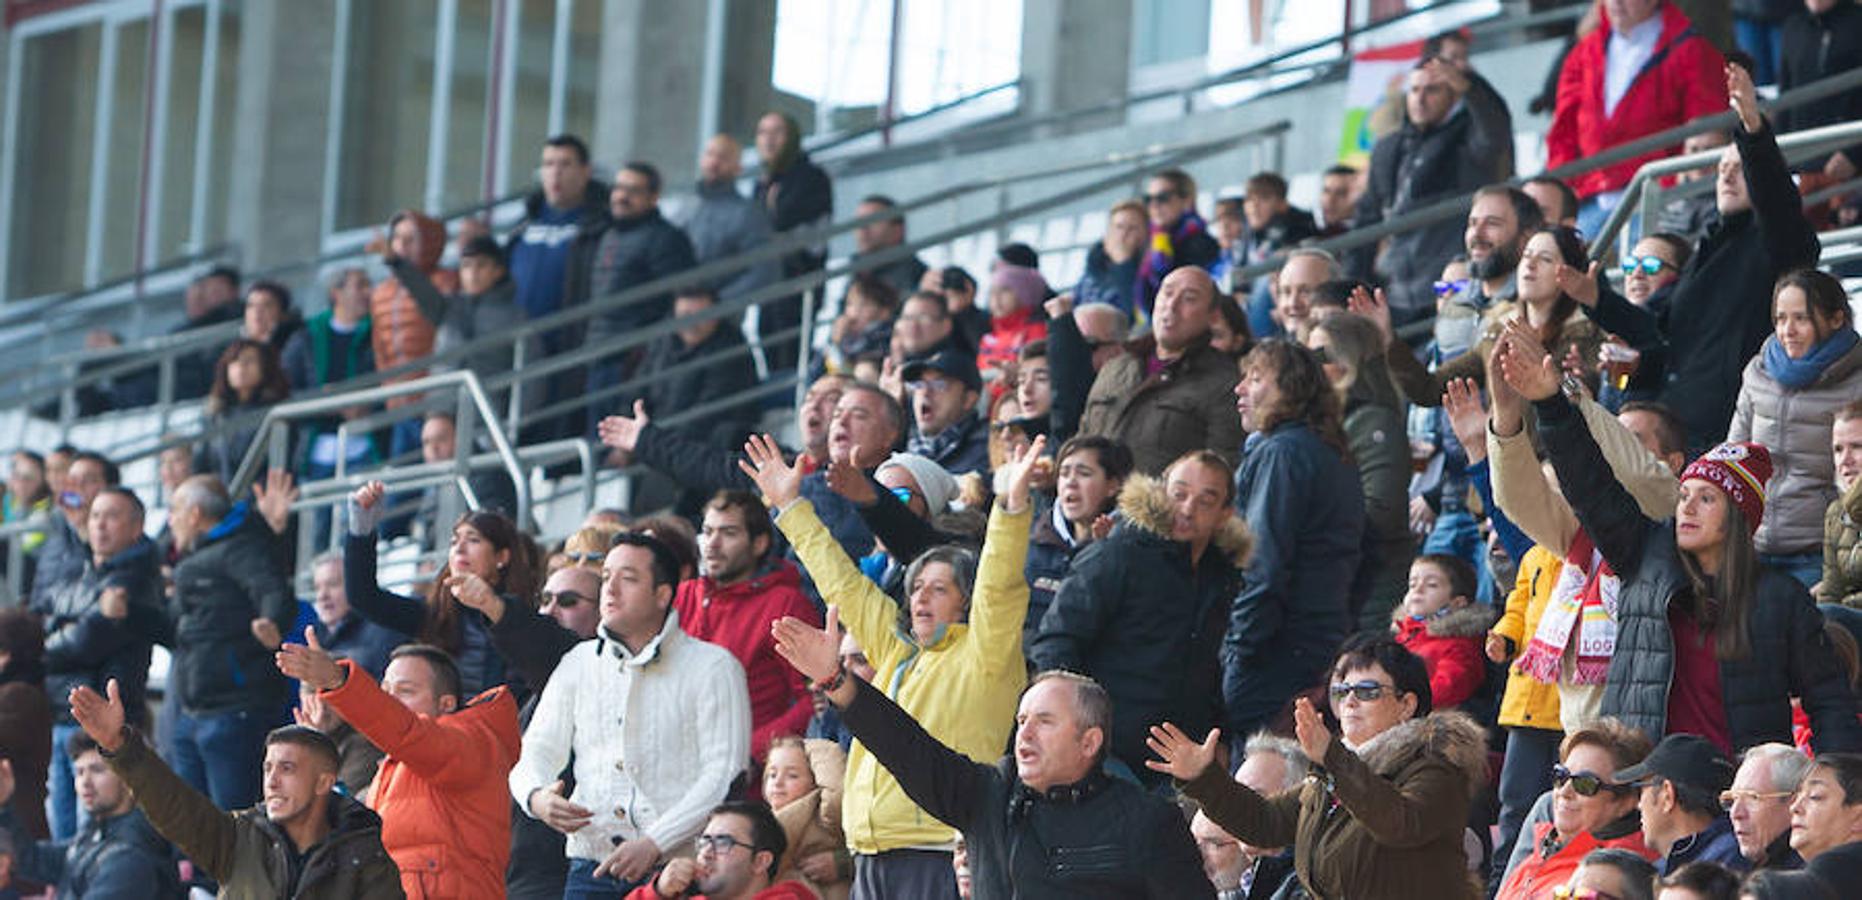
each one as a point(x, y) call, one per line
point(658, 723)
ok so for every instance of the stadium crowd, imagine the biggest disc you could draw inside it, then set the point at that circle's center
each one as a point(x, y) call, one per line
point(1167, 584)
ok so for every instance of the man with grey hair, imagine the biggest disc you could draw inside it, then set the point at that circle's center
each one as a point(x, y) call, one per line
point(231, 606)
point(1306, 269)
point(342, 631)
point(1271, 765)
point(1759, 803)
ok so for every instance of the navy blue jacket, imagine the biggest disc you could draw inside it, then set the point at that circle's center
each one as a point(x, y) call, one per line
point(120, 858)
point(83, 647)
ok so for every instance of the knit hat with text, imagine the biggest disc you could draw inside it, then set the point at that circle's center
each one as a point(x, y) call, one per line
point(1741, 470)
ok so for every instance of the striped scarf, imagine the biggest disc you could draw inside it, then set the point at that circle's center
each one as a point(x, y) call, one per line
point(1583, 600)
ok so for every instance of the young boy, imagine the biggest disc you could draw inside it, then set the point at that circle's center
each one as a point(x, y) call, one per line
point(1439, 621)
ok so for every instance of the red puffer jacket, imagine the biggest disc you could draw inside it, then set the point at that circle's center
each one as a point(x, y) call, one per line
point(442, 792)
point(1684, 79)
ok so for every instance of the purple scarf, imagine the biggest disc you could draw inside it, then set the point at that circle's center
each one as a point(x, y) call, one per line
point(1162, 255)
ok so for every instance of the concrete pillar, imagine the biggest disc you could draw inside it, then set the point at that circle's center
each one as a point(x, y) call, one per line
point(281, 111)
point(749, 63)
point(1075, 54)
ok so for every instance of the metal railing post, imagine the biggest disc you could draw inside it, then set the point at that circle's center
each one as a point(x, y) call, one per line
point(804, 344)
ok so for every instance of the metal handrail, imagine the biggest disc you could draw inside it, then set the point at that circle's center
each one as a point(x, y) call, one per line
point(271, 438)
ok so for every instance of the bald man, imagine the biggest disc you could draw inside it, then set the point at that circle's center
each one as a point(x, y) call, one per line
point(724, 222)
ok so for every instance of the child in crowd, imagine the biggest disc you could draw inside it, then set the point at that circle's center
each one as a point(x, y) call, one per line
point(1015, 297)
point(1439, 621)
point(865, 324)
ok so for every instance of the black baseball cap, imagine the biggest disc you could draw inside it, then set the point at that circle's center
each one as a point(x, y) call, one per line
point(1686, 759)
point(954, 363)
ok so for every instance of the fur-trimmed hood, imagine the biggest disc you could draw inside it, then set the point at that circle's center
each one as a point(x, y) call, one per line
point(1454, 737)
point(1472, 620)
point(1143, 504)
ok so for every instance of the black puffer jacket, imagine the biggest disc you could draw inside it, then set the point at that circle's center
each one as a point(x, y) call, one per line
point(226, 581)
point(1098, 837)
point(626, 254)
point(1136, 613)
point(82, 647)
point(112, 858)
point(1817, 46)
point(1791, 655)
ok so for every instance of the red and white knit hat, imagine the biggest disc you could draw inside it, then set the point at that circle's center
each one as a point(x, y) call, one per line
point(1741, 470)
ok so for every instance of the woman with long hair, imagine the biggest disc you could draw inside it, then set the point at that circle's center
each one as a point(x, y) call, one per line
point(1300, 496)
point(1810, 367)
point(1707, 640)
point(1374, 432)
point(246, 381)
point(1089, 472)
point(488, 554)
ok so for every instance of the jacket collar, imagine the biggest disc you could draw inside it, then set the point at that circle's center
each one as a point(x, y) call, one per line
point(1143, 505)
point(1692, 846)
point(1451, 736)
point(235, 519)
point(612, 644)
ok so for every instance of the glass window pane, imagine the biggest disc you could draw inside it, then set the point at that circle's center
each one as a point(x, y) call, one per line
point(1169, 30)
point(529, 113)
point(584, 70)
point(466, 123)
point(387, 111)
point(52, 163)
point(177, 175)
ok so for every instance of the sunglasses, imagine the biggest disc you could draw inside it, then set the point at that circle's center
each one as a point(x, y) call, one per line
point(565, 599)
point(1160, 197)
point(1445, 288)
point(1728, 798)
point(1650, 265)
point(584, 557)
point(1367, 691)
point(1586, 784)
point(903, 493)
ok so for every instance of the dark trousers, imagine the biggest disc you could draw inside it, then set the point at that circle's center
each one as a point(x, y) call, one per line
point(1527, 773)
point(219, 754)
point(900, 874)
point(583, 885)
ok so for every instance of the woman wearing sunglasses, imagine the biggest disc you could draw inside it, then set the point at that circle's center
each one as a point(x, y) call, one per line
point(1589, 811)
point(1707, 640)
point(1386, 811)
point(1810, 367)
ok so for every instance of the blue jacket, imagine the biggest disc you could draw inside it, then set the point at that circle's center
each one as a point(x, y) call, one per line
point(1302, 501)
point(120, 858)
point(1716, 844)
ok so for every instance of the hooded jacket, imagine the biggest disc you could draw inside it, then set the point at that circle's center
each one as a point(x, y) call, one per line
point(1401, 803)
point(83, 647)
point(1842, 549)
point(1529, 702)
point(1451, 646)
point(118, 858)
point(1108, 282)
point(962, 687)
point(1795, 426)
point(811, 822)
point(1099, 837)
point(248, 854)
point(1146, 621)
point(440, 792)
point(737, 617)
point(398, 332)
point(1681, 81)
point(225, 582)
point(1790, 655)
point(1188, 405)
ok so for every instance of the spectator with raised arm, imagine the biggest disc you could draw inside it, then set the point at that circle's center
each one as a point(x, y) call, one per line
point(1144, 611)
point(1026, 817)
point(487, 553)
point(1646, 68)
point(1707, 640)
point(446, 819)
point(90, 636)
point(1393, 805)
point(1164, 395)
point(1809, 367)
point(1715, 321)
point(1450, 143)
point(117, 856)
point(231, 605)
point(399, 333)
point(304, 841)
point(645, 778)
point(951, 655)
point(1304, 505)
point(484, 306)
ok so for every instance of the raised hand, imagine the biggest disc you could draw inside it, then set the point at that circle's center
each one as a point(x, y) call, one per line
point(780, 482)
point(1177, 755)
point(308, 663)
point(850, 481)
point(1376, 307)
point(1102, 526)
point(814, 652)
point(1743, 98)
point(366, 507)
point(475, 592)
point(1525, 365)
point(1508, 413)
point(552, 806)
point(312, 712)
point(1467, 416)
point(1457, 80)
point(1313, 736)
point(100, 718)
point(1579, 286)
point(265, 631)
point(891, 378)
point(1059, 306)
point(274, 499)
point(623, 432)
point(1019, 471)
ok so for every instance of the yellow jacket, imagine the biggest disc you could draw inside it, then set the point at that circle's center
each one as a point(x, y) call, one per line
point(1528, 702)
point(963, 689)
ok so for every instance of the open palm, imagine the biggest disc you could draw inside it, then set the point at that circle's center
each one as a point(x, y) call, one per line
point(1177, 755)
point(780, 481)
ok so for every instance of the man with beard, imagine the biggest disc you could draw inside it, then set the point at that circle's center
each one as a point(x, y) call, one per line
point(738, 854)
point(1499, 222)
point(741, 591)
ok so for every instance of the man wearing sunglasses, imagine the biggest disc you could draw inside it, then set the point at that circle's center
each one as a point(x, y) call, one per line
point(1681, 782)
point(738, 855)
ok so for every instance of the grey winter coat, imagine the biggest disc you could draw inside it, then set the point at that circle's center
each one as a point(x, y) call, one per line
point(725, 223)
point(1795, 426)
